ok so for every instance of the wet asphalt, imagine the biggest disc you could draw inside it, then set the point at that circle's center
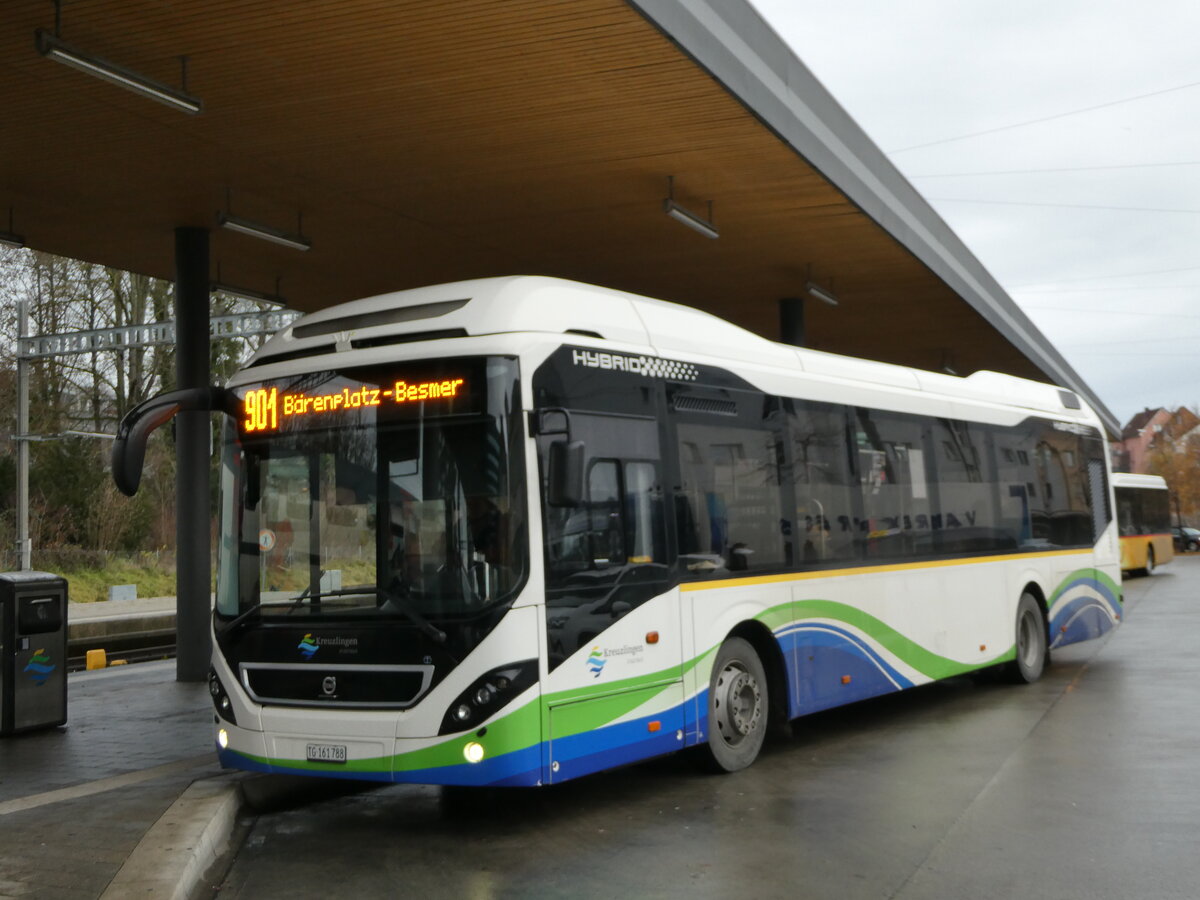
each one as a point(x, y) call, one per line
point(1084, 785)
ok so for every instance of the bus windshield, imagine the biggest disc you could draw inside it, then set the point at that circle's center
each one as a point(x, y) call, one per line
point(386, 491)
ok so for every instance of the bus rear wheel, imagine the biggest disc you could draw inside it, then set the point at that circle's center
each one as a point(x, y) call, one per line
point(737, 707)
point(1031, 642)
point(1149, 570)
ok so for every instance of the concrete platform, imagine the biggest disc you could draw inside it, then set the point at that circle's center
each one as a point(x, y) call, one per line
point(76, 801)
point(1084, 785)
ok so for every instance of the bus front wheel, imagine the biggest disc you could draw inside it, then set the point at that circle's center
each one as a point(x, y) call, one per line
point(737, 707)
point(1031, 641)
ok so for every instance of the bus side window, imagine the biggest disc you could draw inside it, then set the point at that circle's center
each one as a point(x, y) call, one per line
point(728, 508)
point(604, 528)
point(624, 514)
point(821, 473)
point(643, 513)
point(893, 470)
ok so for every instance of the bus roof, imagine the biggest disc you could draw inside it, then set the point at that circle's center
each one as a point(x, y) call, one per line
point(583, 313)
point(1149, 482)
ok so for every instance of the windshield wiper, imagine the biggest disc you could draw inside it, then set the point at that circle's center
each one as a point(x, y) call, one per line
point(392, 602)
point(294, 603)
point(249, 611)
point(406, 609)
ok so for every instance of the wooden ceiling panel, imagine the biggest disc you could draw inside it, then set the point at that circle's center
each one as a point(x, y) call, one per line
point(426, 141)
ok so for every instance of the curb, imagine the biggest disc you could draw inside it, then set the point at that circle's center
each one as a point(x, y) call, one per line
point(172, 858)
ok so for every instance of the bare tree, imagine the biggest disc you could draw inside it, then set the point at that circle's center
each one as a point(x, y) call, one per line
point(72, 501)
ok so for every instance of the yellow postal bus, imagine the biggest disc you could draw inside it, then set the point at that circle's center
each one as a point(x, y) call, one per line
point(1144, 521)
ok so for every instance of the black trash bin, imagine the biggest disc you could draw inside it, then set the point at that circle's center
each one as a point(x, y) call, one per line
point(33, 651)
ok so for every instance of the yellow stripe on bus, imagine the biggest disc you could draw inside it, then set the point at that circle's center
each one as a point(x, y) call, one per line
point(864, 570)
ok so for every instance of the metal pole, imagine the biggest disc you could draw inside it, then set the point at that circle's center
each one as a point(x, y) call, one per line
point(193, 585)
point(791, 321)
point(24, 545)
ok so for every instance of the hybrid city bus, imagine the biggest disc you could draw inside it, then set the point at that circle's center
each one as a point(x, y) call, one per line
point(1143, 522)
point(516, 530)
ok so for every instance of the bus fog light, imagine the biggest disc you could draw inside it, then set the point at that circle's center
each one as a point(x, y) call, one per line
point(483, 696)
point(223, 739)
point(473, 752)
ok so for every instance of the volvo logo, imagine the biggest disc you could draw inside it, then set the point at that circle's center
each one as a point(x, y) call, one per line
point(329, 685)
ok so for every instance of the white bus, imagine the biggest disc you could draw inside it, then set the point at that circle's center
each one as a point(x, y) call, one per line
point(517, 530)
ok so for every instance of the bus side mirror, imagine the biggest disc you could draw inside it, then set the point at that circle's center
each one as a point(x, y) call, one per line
point(552, 420)
point(565, 475)
point(129, 449)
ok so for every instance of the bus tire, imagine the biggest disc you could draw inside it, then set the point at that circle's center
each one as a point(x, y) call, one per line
point(1031, 642)
point(1149, 570)
point(738, 707)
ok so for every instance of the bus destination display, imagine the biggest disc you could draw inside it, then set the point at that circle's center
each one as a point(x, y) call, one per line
point(265, 409)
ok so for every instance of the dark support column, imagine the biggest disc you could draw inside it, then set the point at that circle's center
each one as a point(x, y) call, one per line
point(192, 551)
point(791, 321)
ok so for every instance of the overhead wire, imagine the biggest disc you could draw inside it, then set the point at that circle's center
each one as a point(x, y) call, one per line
point(1141, 313)
point(1151, 209)
point(1058, 170)
point(1050, 118)
point(1089, 290)
point(1111, 275)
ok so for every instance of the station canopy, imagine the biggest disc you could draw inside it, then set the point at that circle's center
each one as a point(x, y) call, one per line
point(417, 141)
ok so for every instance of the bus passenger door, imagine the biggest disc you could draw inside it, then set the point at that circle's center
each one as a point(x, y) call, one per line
point(614, 690)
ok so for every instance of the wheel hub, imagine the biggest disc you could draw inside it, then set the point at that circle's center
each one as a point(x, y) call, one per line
point(739, 703)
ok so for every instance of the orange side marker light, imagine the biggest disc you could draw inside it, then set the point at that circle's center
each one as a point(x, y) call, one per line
point(845, 679)
point(654, 726)
point(651, 637)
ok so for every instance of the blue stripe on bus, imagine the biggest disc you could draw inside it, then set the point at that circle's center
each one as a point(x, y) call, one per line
point(1086, 616)
point(820, 655)
point(521, 768)
point(617, 745)
point(1080, 619)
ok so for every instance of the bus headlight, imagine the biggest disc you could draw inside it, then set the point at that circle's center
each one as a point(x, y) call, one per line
point(223, 739)
point(220, 698)
point(487, 695)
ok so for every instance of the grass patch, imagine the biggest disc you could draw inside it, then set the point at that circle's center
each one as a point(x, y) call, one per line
point(89, 575)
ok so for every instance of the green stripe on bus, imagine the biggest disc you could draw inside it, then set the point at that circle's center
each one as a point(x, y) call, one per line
point(1096, 574)
point(928, 663)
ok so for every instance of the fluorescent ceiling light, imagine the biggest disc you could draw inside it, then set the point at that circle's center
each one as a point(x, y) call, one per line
point(819, 293)
point(690, 219)
point(265, 232)
point(246, 294)
point(686, 216)
point(52, 48)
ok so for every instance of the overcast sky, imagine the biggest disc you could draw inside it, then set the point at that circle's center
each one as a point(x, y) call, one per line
point(1061, 141)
